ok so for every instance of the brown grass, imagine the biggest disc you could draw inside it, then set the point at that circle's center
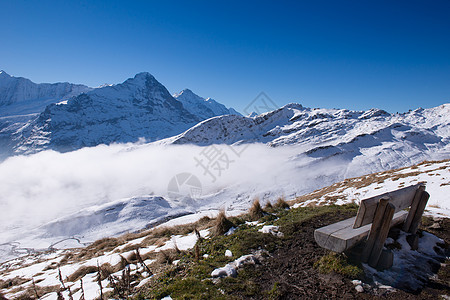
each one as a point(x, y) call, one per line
point(167, 256)
point(268, 206)
point(221, 224)
point(30, 293)
point(107, 269)
point(4, 284)
point(255, 212)
point(81, 272)
point(281, 204)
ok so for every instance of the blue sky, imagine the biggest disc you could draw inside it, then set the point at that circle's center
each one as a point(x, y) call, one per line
point(393, 55)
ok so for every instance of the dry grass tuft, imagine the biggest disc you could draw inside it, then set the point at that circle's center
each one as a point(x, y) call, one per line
point(30, 293)
point(268, 206)
point(52, 266)
point(281, 204)
point(81, 272)
point(106, 244)
point(107, 269)
point(4, 284)
point(166, 256)
point(221, 224)
point(256, 212)
point(204, 221)
point(123, 263)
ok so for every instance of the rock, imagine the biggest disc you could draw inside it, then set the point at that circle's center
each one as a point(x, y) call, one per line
point(359, 288)
point(436, 226)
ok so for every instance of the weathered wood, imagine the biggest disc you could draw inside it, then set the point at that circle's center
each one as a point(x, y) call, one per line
point(386, 259)
point(401, 199)
point(413, 209)
point(419, 212)
point(382, 235)
point(413, 241)
point(374, 229)
point(341, 236)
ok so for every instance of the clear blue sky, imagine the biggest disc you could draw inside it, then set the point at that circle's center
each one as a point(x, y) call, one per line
point(393, 55)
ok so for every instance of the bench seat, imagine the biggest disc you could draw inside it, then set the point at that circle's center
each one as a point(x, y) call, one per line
point(341, 236)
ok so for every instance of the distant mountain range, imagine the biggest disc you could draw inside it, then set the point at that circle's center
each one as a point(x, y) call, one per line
point(65, 117)
point(19, 96)
point(379, 139)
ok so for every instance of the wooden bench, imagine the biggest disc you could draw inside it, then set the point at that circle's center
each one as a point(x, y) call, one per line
point(375, 217)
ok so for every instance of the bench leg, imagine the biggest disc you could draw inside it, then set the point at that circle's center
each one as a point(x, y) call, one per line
point(381, 238)
point(413, 241)
point(413, 209)
point(419, 212)
point(386, 259)
point(374, 229)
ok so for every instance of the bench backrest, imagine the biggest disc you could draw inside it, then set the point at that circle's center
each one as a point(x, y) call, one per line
point(401, 199)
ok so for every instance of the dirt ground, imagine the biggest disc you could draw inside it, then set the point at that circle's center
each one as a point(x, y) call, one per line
point(291, 269)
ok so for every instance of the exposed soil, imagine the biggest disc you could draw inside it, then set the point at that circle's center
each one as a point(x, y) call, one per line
point(290, 274)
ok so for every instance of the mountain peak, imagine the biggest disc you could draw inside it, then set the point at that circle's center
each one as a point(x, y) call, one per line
point(185, 92)
point(3, 74)
point(143, 75)
point(141, 79)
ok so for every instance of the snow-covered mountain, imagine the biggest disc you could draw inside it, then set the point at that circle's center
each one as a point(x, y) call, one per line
point(383, 140)
point(21, 101)
point(140, 107)
point(19, 95)
point(205, 108)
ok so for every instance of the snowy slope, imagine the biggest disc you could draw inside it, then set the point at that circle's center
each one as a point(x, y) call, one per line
point(205, 108)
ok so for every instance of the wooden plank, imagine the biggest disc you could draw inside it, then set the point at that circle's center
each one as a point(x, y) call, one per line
point(341, 236)
point(375, 228)
point(413, 209)
point(419, 212)
point(382, 235)
point(401, 199)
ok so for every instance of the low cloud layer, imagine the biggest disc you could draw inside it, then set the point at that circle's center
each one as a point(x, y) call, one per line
point(40, 187)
